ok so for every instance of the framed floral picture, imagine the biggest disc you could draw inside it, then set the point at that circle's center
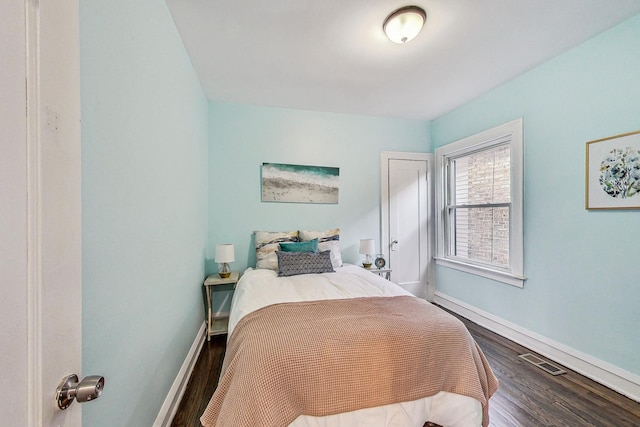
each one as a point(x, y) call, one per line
point(613, 172)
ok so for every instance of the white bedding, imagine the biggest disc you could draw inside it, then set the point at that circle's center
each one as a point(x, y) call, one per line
point(262, 287)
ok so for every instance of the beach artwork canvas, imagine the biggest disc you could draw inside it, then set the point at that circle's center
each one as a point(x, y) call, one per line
point(299, 183)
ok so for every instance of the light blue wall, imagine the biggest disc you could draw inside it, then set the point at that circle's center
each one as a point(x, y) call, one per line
point(583, 267)
point(144, 201)
point(241, 138)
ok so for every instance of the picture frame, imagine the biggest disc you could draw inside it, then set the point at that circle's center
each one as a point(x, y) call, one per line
point(613, 172)
point(287, 183)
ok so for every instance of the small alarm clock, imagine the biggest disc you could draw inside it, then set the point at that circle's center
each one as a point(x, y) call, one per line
point(380, 262)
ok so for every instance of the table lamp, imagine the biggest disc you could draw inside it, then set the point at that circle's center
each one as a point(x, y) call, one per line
point(367, 248)
point(224, 255)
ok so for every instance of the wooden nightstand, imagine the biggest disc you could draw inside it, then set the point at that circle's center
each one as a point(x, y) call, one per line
point(217, 324)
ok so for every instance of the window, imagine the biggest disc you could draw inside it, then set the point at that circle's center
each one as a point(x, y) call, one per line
point(479, 187)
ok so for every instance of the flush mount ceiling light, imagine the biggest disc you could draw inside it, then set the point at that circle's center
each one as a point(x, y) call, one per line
point(404, 24)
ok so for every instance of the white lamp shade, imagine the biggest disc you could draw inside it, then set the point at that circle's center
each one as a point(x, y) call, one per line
point(404, 24)
point(225, 253)
point(367, 246)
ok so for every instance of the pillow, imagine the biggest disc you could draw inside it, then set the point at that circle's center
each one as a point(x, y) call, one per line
point(327, 240)
point(310, 246)
point(267, 243)
point(294, 263)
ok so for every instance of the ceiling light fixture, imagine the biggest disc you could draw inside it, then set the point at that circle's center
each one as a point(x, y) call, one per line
point(404, 24)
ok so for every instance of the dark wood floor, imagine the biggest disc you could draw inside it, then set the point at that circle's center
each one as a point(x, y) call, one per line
point(527, 396)
point(202, 383)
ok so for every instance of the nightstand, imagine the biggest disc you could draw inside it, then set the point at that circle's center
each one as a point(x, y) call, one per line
point(382, 272)
point(217, 324)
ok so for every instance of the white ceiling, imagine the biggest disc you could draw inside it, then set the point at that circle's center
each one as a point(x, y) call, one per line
point(331, 55)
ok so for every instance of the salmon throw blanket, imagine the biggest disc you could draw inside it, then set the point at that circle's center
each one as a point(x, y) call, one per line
point(325, 357)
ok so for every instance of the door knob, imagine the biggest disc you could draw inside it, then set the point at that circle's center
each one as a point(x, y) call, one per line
point(69, 389)
point(394, 245)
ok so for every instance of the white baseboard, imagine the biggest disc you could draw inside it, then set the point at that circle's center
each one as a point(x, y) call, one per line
point(172, 401)
point(624, 382)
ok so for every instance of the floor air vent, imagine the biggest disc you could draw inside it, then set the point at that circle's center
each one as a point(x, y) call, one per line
point(542, 364)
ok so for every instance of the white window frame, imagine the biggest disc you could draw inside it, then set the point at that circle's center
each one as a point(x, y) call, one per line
point(513, 134)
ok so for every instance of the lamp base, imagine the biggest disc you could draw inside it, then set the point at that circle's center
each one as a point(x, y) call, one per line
point(224, 271)
point(366, 265)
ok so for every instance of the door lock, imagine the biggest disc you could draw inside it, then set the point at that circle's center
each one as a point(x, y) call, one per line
point(69, 389)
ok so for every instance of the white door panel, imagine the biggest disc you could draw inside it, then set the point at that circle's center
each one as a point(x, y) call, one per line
point(406, 213)
point(404, 185)
point(43, 168)
point(13, 219)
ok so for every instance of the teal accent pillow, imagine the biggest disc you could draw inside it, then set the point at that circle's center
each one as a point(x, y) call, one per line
point(310, 246)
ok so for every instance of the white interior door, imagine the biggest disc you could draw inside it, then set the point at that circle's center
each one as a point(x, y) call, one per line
point(41, 268)
point(55, 138)
point(13, 217)
point(406, 234)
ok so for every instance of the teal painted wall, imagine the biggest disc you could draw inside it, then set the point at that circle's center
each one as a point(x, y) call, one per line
point(241, 138)
point(144, 202)
point(582, 266)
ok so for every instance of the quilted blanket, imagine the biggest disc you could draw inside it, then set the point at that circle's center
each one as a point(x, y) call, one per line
point(325, 357)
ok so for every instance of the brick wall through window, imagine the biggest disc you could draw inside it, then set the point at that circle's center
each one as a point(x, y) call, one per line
point(482, 233)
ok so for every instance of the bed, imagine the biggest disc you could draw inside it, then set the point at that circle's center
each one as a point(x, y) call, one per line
point(344, 347)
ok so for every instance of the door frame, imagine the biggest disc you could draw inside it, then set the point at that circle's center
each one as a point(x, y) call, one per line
point(385, 157)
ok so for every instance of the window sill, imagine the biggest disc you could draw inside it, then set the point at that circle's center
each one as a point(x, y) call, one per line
point(499, 276)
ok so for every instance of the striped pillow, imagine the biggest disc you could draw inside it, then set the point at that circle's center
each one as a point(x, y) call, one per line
point(327, 240)
point(267, 243)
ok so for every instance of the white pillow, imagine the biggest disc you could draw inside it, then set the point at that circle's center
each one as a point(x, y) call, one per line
point(327, 240)
point(267, 243)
